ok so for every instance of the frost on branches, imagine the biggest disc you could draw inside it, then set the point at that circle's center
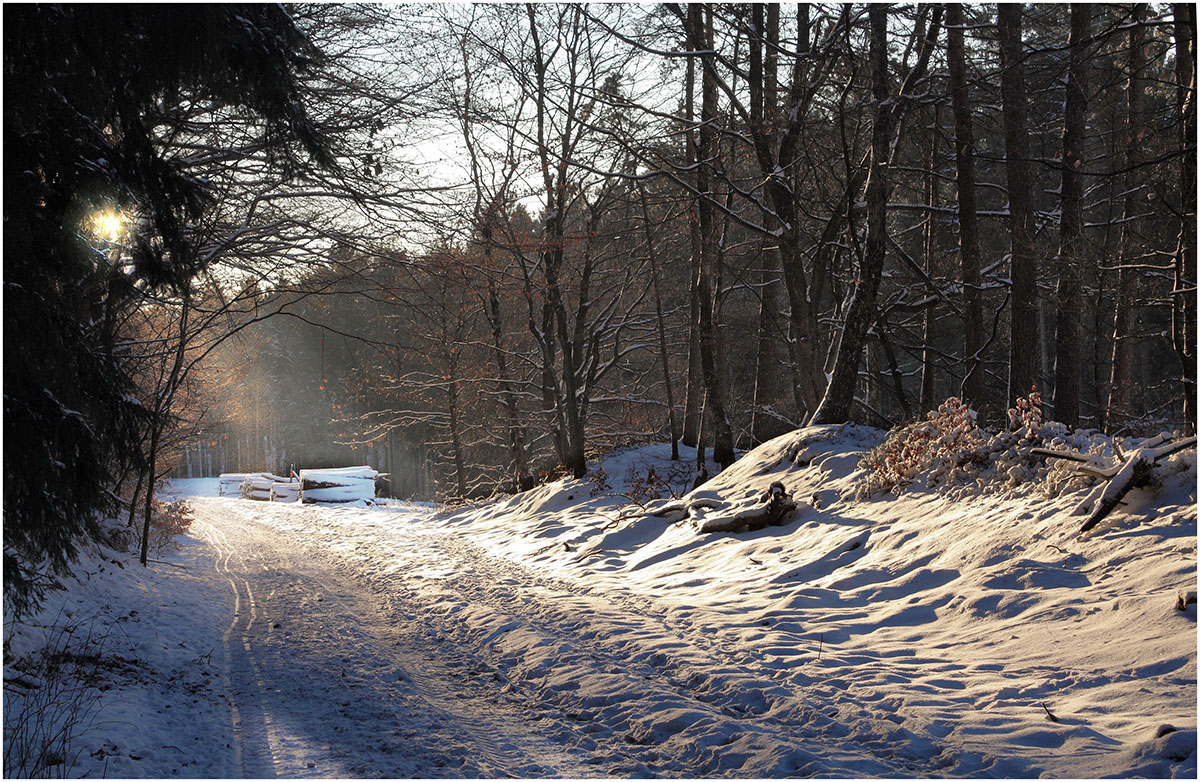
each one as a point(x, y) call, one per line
point(949, 451)
point(947, 439)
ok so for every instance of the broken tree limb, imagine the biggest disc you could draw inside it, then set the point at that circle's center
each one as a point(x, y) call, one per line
point(1129, 471)
point(771, 509)
point(1132, 473)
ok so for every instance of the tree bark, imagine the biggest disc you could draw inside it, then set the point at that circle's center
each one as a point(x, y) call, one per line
point(1023, 324)
point(516, 434)
point(928, 368)
point(1121, 389)
point(839, 395)
point(1183, 310)
point(460, 468)
point(1068, 320)
point(692, 400)
point(972, 390)
point(662, 329)
point(763, 75)
point(707, 152)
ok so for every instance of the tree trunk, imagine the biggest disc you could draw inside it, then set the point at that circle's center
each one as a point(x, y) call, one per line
point(968, 232)
point(163, 399)
point(707, 151)
point(928, 369)
point(763, 75)
point(691, 407)
point(568, 431)
point(1023, 324)
point(149, 507)
point(516, 434)
point(1183, 310)
point(662, 329)
point(460, 469)
point(861, 313)
point(1121, 389)
point(1068, 320)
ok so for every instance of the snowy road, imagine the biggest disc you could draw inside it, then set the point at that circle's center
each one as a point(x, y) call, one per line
point(367, 643)
point(326, 679)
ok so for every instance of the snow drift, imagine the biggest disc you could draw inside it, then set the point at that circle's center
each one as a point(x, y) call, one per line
point(970, 611)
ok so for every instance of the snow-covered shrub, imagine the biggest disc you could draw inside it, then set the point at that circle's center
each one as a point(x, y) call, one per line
point(949, 451)
point(167, 521)
point(1025, 420)
point(947, 439)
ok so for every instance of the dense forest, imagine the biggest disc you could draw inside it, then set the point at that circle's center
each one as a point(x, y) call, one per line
point(475, 246)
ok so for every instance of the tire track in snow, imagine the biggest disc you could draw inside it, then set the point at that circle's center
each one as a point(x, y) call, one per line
point(504, 752)
point(468, 732)
point(609, 633)
point(253, 755)
point(641, 659)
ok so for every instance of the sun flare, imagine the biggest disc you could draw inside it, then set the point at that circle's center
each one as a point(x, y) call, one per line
point(109, 226)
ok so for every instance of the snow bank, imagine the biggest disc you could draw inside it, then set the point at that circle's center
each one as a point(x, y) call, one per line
point(137, 636)
point(960, 609)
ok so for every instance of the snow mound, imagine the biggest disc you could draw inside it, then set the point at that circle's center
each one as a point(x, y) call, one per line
point(964, 609)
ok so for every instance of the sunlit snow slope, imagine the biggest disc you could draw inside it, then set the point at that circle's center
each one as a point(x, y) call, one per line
point(918, 624)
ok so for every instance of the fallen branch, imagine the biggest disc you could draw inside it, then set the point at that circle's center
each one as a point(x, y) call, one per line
point(1129, 471)
point(771, 510)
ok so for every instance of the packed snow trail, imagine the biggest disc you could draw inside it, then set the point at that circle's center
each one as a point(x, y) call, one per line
point(320, 683)
point(371, 643)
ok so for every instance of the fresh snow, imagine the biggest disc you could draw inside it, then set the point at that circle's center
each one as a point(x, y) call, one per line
point(574, 633)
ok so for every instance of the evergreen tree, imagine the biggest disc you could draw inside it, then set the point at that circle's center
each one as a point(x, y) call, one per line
point(94, 95)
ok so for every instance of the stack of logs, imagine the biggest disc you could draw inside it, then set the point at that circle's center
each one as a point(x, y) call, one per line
point(259, 486)
point(334, 485)
point(337, 485)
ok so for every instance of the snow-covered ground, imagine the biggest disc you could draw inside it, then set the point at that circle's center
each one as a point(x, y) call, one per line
point(929, 633)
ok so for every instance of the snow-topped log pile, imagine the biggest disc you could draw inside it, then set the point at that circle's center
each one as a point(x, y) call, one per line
point(257, 486)
point(285, 492)
point(340, 484)
point(231, 483)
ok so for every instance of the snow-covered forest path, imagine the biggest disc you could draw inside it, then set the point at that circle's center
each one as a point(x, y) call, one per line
point(324, 679)
point(369, 643)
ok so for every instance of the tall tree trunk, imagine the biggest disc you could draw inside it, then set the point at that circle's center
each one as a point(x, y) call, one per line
point(763, 76)
point(1023, 324)
point(860, 314)
point(516, 432)
point(162, 404)
point(568, 434)
point(1121, 389)
point(460, 468)
point(1183, 310)
point(968, 231)
point(662, 328)
point(707, 151)
point(1068, 320)
point(928, 368)
point(692, 400)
